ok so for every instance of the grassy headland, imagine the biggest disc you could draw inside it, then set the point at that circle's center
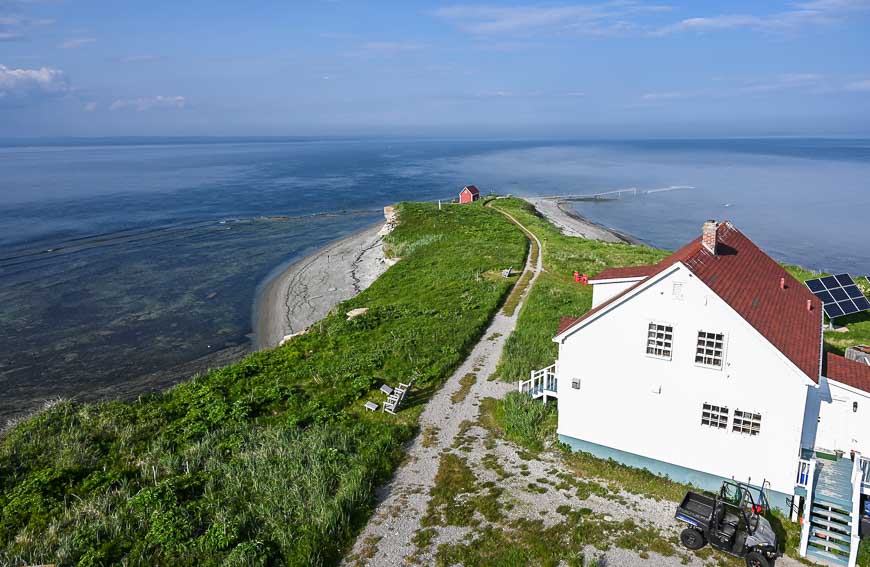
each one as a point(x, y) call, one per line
point(271, 460)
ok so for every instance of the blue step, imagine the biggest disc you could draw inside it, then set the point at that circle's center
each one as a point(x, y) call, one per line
point(847, 518)
point(829, 534)
point(827, 556)
point(830, 544)
point(815, 521)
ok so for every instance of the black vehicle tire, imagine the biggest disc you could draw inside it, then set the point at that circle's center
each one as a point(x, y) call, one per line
point(755, 559)
point(692, 538)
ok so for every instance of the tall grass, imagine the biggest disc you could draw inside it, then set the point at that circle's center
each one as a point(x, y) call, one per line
point(271, 460)
point(523, 420)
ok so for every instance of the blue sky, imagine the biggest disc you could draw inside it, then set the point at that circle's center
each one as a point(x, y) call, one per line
point(569, 69)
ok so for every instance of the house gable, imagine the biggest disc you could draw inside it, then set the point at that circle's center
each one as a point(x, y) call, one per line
point(764, 294)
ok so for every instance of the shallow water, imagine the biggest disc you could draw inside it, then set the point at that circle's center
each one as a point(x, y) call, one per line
point(125, 267)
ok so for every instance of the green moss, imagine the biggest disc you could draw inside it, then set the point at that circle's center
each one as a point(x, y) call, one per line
point(465, 385)
point(457, 497)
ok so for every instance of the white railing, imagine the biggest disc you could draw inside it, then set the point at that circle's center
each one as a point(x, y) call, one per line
point(865, 480)
point(541, 383)
point(808, 507)
point(803, 475)
point(857, 479)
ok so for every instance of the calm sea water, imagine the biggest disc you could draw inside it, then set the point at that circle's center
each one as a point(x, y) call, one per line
point(126, 266)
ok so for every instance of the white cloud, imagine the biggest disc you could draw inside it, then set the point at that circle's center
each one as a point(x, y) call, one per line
point(140, 58)
point(859, 86)
point(668, 95)
point(392, 46)
point(13, 28)
point(19, 86)
point(148, 103)
point(801, 14)
point(77, 42)
point(90, 106)
point(569, 19)
point(809, 82)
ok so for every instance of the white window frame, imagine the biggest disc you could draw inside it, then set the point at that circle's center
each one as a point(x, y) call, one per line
point(646, 345)
point(753, 429)
point(724, 349)
point(716, 413)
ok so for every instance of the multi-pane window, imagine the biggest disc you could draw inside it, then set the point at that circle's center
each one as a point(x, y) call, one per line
point(659, 340)
point(710, 349)
point(714, 416)
point(746, 422)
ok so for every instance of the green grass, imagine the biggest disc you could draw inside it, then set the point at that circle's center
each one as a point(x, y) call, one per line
point(271, 460)
point(465, 385)
point(555, 293)
point(517, 417)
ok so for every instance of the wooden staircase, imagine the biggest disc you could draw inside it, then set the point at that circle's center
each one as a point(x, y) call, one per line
point(833, 512)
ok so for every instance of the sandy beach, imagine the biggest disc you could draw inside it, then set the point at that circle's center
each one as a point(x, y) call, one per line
point(561, 214)
point(307, 290)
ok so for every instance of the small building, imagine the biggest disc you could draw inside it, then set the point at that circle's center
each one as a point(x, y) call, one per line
point(469, 194)
point(710, 365)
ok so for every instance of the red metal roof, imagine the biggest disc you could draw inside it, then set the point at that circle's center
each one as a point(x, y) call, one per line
point(625, 272)
point(748, 280)
point(847, 371)
point(472, 189)
point(564, 323)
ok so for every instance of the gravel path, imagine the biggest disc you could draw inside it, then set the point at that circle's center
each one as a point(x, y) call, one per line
point(403, 501)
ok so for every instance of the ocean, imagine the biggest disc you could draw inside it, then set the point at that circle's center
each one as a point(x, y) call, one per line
point(127, 265)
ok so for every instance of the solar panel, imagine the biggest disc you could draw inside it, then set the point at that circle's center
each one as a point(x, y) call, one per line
point(839, 295)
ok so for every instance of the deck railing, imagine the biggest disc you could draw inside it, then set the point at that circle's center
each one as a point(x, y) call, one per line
point(865, 480)
point(808, 506)
point(542, 383)
point(803, 475)
point(857, 479)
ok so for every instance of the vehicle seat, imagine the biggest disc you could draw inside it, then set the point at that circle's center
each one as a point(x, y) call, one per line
point(722, 522)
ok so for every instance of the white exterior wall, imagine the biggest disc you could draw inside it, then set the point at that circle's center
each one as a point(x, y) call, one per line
point(839, 426)
point(602, 290)
point(652, 407)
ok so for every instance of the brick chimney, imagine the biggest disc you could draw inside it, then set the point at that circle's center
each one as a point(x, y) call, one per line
point(709, 236)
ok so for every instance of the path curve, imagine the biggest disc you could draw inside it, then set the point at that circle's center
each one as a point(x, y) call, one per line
point(387, 538)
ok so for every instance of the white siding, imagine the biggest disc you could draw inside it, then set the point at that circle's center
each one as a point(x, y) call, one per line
point(652, 407)
point(839, 426)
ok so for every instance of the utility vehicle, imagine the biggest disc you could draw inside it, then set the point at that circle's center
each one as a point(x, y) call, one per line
point(731, 522)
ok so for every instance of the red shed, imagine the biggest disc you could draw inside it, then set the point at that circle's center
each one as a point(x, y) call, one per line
point(468, 194)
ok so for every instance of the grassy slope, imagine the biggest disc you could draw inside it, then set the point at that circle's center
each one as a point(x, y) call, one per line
point(272, 459)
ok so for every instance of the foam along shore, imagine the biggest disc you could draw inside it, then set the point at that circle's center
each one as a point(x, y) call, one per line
point(560, 213)
point(307, 290)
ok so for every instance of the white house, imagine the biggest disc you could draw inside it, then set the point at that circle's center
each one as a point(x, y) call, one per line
point(709, 366)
